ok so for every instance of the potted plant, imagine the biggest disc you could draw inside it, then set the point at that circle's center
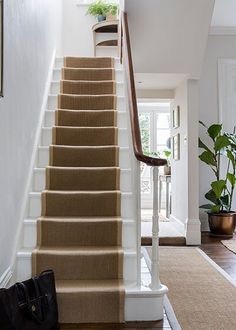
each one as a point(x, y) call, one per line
point(167, 168)
point(102, 9)
point(221, 218)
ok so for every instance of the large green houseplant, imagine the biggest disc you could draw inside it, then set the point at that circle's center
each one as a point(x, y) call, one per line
point(223, 145)
point(101, 9)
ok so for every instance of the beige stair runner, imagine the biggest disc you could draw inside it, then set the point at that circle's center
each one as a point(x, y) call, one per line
point(79, 233)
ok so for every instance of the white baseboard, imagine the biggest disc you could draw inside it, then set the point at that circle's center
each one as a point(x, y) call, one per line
point(193, 232)
point(32, 162)
point(6, 277)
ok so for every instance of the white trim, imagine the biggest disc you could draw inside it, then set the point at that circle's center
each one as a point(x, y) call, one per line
point(33, 160)
point(171, 315)
point(223, 30)
point(6, 277)
point(217, 267)
point(193, 232)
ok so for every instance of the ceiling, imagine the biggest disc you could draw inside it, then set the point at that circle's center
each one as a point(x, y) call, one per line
point(158, 80)
point(224, 14)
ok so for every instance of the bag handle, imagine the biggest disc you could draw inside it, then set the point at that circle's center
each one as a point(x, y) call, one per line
point(34, 308)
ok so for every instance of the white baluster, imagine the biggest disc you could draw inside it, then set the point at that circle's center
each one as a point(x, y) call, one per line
point(155, 284)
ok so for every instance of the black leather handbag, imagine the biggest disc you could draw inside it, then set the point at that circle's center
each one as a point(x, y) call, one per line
point(30, 305)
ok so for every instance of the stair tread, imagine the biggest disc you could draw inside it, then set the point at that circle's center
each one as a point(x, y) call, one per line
point(79, 250)
point(80, 219)
point(73, 286)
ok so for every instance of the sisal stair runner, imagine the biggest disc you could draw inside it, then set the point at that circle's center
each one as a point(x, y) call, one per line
point(79, 234)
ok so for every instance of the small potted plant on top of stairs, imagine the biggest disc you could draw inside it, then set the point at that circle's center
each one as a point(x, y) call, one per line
point(103, 10)
point(221, 218)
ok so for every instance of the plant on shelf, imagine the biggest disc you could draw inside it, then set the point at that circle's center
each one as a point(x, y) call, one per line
point(221, 150)
point(102, 9)
point(167, 156)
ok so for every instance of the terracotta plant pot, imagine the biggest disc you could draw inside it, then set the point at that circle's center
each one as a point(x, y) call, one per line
point(111, 17)
point(222, 224)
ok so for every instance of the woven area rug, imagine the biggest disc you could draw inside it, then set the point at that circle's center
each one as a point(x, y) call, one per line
point(202, 295)
point(230, 244)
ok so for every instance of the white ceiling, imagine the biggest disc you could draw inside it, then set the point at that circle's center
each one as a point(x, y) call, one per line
point(224, 13)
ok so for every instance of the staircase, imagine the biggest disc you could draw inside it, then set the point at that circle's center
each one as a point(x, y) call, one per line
point(82, 211)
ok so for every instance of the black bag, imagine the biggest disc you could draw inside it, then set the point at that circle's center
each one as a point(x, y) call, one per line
point(30, 305)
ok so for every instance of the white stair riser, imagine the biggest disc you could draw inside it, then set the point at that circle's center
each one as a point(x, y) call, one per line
point(55, 88)
point(52, 103)
point(38, 183)
point(127, 205)
point(49, 120)
point(30, 234)
point(57, 75)
point(43, 157)
point(46, 137)
point(107, 51)
point(59, 61)
point(24, 266)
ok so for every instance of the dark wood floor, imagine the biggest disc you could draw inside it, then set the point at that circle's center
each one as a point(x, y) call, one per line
point(219, 253)
point(214, 249)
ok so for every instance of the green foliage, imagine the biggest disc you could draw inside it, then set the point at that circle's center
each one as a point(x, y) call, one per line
point(222, 189)
point(103, 8)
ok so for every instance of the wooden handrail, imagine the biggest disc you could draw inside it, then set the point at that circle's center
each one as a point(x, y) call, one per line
point(126, 54)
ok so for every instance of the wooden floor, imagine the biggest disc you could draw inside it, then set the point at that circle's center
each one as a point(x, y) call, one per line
point(214, 249)
point(219, 253)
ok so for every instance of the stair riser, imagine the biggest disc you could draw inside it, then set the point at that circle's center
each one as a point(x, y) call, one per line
point(24, 266)
point(127, 206)
point(60, 61)
point(49, 120)
point(46, 137)
point(112, 51)
point(39, 180)
point(55, 88)
point(128, 234)
point(53, 103)
point(43, 158)
point(57, 75)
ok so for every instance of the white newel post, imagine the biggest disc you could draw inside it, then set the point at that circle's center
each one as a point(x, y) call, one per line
point(155, 284)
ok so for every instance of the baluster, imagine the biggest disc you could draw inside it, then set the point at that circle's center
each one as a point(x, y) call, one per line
point(155, 284)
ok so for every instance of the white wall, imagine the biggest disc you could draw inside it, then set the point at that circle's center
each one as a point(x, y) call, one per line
point(185, 172)
point(77, 36)
point(31, 35)
point(217, 47)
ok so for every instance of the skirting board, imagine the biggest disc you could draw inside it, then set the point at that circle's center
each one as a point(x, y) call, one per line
point(179, 225)
point(191, 229)
point(5, 278)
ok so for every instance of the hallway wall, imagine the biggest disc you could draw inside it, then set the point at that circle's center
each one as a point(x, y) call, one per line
point(219, 46)
point(31, 36)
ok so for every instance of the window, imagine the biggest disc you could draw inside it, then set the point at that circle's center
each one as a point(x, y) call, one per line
point(154, 120)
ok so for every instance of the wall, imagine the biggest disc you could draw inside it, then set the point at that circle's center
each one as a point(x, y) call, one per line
point(155, 94)
point(185, 171)
point(32, 33)
point(217, 47)
point(179, 168)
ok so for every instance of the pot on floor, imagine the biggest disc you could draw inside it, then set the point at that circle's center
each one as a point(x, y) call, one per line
point(222, 224)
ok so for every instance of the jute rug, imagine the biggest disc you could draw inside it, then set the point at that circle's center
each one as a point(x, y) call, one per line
point(79, 233)
point(201, 296)
point(230, 244)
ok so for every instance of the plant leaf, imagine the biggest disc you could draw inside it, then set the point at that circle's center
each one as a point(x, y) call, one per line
point(218, 187)
point(214, 131)
point(211, 196)
point(221, 142)
point(208, 158)
point(232, 179)
point(215, 209)
point(225, 200)
point(206, 206)
point(202, 145)
point(200, 122)
point(230, 156)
